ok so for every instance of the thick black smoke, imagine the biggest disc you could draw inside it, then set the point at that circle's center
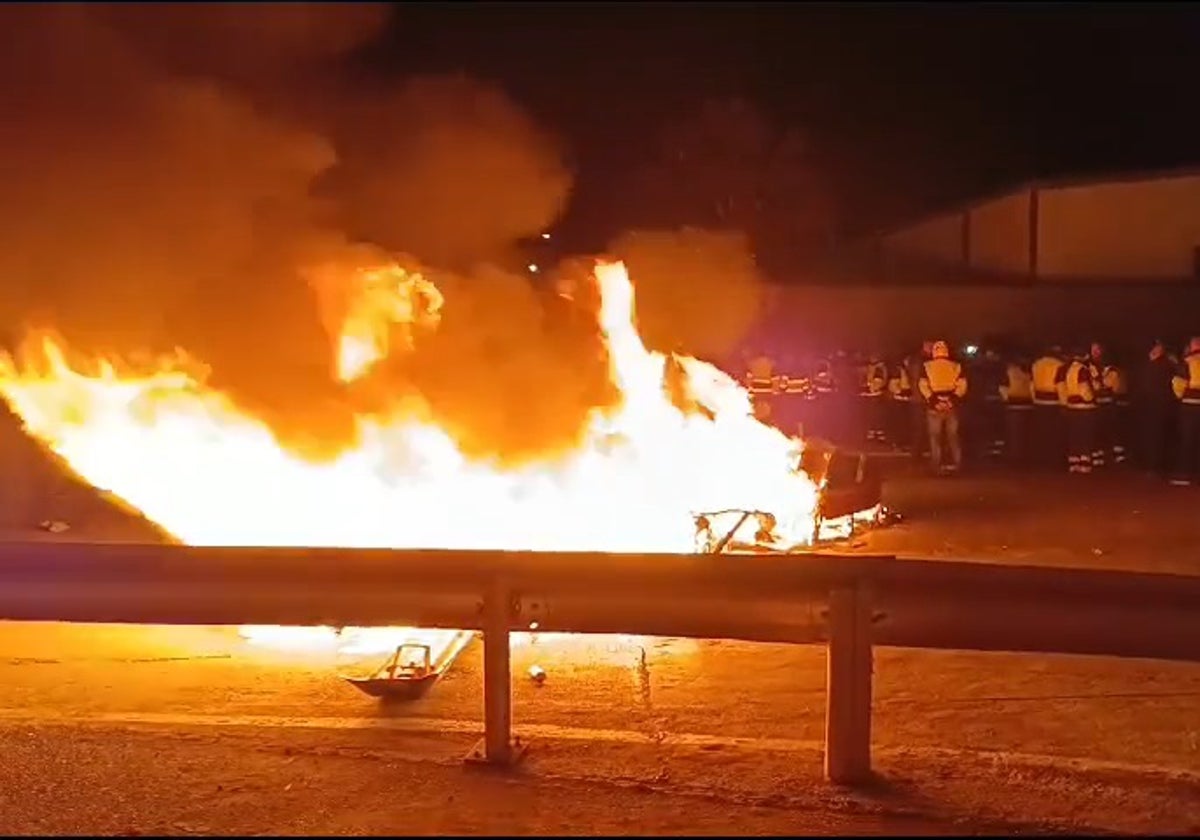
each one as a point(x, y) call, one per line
point(168, 184)
point(450, 169)
point(698, 291)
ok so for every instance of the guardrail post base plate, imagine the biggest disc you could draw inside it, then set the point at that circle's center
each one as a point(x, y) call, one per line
point(478, 756)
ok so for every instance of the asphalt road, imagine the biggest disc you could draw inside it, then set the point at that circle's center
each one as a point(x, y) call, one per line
point(160, 724)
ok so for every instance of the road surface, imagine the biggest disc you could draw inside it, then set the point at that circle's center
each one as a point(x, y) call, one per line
point(192, 729)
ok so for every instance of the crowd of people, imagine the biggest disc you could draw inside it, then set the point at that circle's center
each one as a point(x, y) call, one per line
point(1081, 410)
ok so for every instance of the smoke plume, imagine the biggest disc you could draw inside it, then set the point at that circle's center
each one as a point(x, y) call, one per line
point(698, 291)
point(450, 169)
point(509, 374)
point(165, 187)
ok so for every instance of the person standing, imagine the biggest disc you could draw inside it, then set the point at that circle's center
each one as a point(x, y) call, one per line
point(1187, 388)
point(760, 382)
point(1047, 418)
point(1102, 442)
point(988, 376)
point(1154, 406)
point(919, 425)
point(1118, 385)
point(1017, 393)
point(900, 392)
point(822, 410)
point(1075, 390)
point(943, 386)
point(874, 393)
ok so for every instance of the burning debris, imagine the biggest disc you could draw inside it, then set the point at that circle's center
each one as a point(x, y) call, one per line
point(192, 461)
point(182, 453)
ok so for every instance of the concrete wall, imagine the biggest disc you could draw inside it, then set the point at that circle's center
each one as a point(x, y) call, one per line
point(937, 240)
point(1117, 230)
point(1135, 229)
point(823, 317)
point(999, 235)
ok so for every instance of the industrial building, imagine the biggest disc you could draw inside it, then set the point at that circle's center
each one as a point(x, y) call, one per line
point(1137, 227)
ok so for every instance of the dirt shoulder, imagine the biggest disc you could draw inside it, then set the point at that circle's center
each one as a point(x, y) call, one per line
point(153, 780)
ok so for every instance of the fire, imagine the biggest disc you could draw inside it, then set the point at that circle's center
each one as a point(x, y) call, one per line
point(368, 306)
point(191, 461)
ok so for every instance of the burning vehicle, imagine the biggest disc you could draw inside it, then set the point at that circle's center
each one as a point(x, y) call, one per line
point(677, 464)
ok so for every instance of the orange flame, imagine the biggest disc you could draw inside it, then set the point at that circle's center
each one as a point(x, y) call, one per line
point(191, 461)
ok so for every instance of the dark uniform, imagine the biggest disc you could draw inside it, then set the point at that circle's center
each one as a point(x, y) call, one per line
point(915, 364)
point(1078, 397)
point(1105, 407)
point(760, 382)
point(1187, 389)
point(1154, 406)
point(1047, 425)
point(988, 408)
point(1118, 384)
point(845, 420)
point(900, 397)
point(792, 387)
point(824, 395)
point(1017, 394)
point(874, 399)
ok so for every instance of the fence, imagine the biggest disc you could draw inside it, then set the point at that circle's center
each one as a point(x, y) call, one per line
point(849, 603)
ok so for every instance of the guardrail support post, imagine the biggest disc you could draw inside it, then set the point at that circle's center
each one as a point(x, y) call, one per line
point(848, 699)
point(497, 748)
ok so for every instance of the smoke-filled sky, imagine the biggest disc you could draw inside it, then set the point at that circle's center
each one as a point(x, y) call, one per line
point(173, 173)
point(176, 175)
point(911, 104)
point(168, 179)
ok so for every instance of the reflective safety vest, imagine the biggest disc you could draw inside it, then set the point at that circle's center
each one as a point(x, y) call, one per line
point(1100, 387)
point(798, 385)
point(1075, 386)
point(1114, 380)
point(1044, 375)
point(899, 385)
point(761, 377)
point(942, 383)
point(823, 382)
point(1187, 383)
point(1017, 389)
point(874, 380)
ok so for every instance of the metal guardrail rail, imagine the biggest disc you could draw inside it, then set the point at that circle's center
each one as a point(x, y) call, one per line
point(849, 603)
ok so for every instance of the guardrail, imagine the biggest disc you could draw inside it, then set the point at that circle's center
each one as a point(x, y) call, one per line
point(849, 603)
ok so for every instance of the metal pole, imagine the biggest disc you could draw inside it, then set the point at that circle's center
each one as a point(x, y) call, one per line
point(497, 747)
point(848, 703)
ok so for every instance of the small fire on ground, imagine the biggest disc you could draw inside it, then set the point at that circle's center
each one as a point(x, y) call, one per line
point(644, 472)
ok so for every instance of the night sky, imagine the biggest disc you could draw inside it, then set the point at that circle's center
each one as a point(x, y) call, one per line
point(909, 106)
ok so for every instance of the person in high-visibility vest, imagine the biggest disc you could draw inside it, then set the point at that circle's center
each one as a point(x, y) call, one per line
point(873, 395)
point(985, 426)
point(824, 392)
point(1187, 388)
point(810, 413)
point(760, 382)
point(1077, 395)
point(900, 391)
point(1047, 419)
point(791, 387)
point(1117, 384)
point(943, 386)
point(1105, 406)
point(1017, 393)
